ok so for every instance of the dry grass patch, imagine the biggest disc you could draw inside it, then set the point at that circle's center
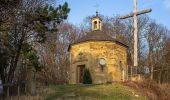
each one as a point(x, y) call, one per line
point(151, 89)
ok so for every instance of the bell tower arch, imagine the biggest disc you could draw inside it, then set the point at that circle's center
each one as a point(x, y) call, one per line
point(96, 22)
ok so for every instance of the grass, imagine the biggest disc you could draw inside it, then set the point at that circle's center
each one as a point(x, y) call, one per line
point(93, 92)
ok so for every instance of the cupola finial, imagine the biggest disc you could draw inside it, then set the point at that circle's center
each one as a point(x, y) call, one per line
point(97, 13)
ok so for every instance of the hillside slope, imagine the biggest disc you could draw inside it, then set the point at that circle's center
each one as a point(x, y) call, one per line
point(146, 90)
point(114, 91)
point(151, 89)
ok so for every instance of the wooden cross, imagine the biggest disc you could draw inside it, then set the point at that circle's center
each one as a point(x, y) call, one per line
point(97, 7)
point(134, 15)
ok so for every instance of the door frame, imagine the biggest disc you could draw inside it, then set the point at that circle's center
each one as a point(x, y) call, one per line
point(78, 72)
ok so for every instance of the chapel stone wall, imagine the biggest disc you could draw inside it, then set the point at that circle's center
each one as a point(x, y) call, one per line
point(89, 53)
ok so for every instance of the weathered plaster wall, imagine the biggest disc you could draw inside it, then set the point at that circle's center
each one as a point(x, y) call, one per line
point(89, 53)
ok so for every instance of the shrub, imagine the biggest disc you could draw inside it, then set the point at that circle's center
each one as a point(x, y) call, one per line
point(87, 77)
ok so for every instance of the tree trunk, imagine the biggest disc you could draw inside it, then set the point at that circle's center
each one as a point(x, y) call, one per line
point(16, 58)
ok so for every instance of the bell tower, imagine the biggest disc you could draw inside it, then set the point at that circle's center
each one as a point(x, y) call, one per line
point(96, 22)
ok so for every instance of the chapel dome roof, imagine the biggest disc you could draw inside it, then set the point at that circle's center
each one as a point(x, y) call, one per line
point(97, 35)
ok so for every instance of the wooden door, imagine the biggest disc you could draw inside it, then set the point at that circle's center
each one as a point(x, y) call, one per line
point(81, 73)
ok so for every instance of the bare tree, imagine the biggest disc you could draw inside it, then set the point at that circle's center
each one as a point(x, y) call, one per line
point(55, 55)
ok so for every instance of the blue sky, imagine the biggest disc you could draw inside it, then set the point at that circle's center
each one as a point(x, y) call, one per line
point(82, 8)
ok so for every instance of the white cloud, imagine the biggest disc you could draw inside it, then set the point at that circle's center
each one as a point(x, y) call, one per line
point(167, 3)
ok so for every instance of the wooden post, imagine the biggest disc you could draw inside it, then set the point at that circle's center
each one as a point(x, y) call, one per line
point(25, 88)
point(131, 71)
point(33, 84)
point(18, 91)
point(135, 35)
point(7, 91)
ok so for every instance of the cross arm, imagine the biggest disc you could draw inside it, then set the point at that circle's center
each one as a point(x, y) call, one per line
point(138, 13)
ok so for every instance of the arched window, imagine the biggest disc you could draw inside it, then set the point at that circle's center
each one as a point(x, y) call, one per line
point(121, 67)
point(95, 25)
point(99, 24)
point(121, 70)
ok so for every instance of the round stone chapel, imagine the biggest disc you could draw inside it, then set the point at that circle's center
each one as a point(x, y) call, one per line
point(104, 56)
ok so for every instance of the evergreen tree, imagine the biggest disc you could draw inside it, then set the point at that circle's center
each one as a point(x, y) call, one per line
point(26, 24)
point(87, 77)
